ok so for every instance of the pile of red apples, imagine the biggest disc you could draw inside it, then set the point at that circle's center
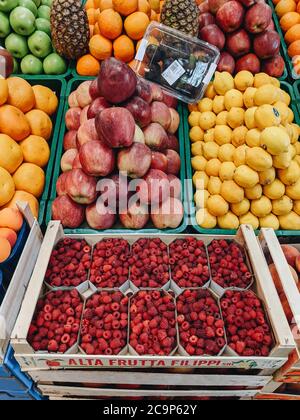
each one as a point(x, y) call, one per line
point(244, 32)
point(118, 124)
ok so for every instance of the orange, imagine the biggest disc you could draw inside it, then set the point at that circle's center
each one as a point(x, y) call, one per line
point(92, 30)
point(10, 235)
point(45, 99)
point(288, 20)
point(7, 187)
point(30, 178)
point(40, 123)
point(125, 7)
point(296, 64)
point(35, 150)
point(144, 6)
point(11, 219)
point(89, 4)
point(105, 4)
point(285, 6)
point(136, 24)
point(298, 7)
point(20, 94)
point(91, 16)
point(13, 123)
point(26, 198)
point(96, 29)
point(110, 24)
point(11, 155)
point(154, 16)
point(293, 34)
point(100, 47)
point(3, 91)
point(5, 249)
point(124, 49)
point(88, 66)
point(294, 49)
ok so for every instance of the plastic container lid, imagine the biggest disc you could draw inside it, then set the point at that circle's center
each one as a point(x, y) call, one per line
point(180, 64)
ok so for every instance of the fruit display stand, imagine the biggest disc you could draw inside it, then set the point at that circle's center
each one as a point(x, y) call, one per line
point(87, 376)
point(85, 229)
point(14, 384)
point(59, 87)
point(290, 372)
point(190, 187)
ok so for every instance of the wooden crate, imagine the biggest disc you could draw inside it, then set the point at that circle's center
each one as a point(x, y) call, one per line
point(93, 376)
point(290, 372)
point(12, 301)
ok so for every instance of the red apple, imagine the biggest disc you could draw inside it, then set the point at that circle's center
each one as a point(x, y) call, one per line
point(61, 184)
point(136, 216)
point(77, 163)
point(72, 100)
point(81, 187)
point(140, 111)
point(258, 18)
point(73, 119)
point(267, 44)
point(154, 187)
point(249, 62)
point(175, 186)
point(213, 35)
point(159, 161)
point(96, 159)
point(155, 137)
point(157, 93)
point(84, 115)
point(83, 94)
point(214, 5)
point(114, 190)
point(206, 19)
point(172, 143)
point(271, 26)
point(67, 160)
point(203, 7)
point(116, 127)
point(274, 66)
point(226, 63)
point(138, 135)
point(168, 215)
point(238, 43)
point(135, 161)
point(94, 89)
point(170, 101)
point(230, 16)
point(70, 140)
point(160, 114)
point(99, 216)
point(97, 106)
point(68, 212)
point(174, 162)
point(6, 63)
point(87, 132)
point(247, 3)
point(175, 121)
point(144, 90)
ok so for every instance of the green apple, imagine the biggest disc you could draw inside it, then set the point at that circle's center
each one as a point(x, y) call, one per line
point(16, 67)
point(31, 65)
point(43, 25)
point(22, 20)
point(44, 12)
point(47, 3)
point(37, 2)
point(29, 5)
point(40, 44)
point(8, 5)
point(16, 45)
point(54, 64)
point(4, 25)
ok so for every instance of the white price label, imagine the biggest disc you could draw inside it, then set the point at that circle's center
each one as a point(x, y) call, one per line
point(173, 73)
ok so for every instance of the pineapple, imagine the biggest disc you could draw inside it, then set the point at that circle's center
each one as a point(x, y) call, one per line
point(70, 28)
point(182, 15)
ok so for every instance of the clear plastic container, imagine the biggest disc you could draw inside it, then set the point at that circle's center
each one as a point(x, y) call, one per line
point(179, 63)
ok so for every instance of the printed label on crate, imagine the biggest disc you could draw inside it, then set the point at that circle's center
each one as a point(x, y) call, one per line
point(75, 362)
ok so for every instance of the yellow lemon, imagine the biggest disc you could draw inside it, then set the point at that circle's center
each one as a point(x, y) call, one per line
point(267, 116)
point(196, 134)
point(222, 118)
point(206, 220)
point(270, 221)
point(223, 134)
point(218, 104)
point(223, 82)
point(243, 80)
point(266, 94)
point(227, 170)
point(207, 120)
point(233, 98)
point(261, 79)
point(248, 97)
point(239, 136)
point(241, 208)
point(213, 167)
point(198, 163)
point(250, 118)
point(235, 117)
point(194, 118)
point(205, 105)
point(250, 219)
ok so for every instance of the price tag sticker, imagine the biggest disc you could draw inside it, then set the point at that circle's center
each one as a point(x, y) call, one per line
point(173, 73)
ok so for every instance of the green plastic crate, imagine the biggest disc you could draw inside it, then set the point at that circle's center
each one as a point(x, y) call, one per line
point(296, 88)
point(119, 229)
point(64, 76)
point(59, 87)
point(189, 170)
point(284, 48)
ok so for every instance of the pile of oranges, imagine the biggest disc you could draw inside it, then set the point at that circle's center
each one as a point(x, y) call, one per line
point(11, 221)
point(288, 12)
point(116, 28)
point(25, 129)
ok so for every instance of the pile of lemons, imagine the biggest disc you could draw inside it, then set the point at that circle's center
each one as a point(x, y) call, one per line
point(245, 154)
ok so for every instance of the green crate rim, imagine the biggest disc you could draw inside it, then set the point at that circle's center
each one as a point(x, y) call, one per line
point(284, 48)
point(62, 76)
point(296, 88)
point(56, 173)
point(54, 137)
point(190, 193)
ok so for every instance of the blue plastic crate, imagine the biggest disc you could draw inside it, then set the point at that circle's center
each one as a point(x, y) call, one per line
point(2, 289)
